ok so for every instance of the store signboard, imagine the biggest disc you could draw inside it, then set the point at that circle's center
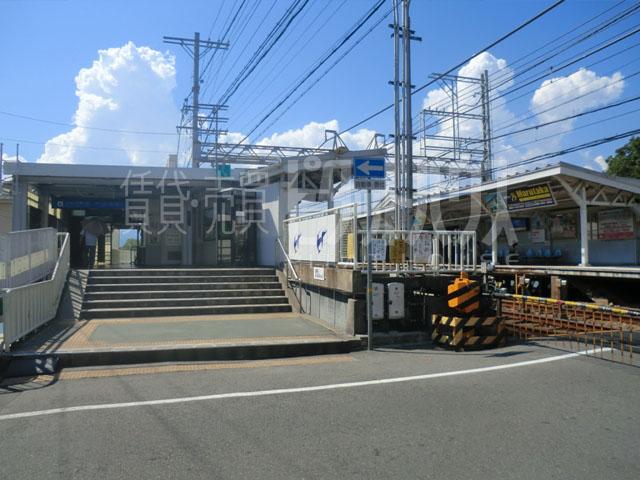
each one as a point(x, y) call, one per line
point(520, 198)
point(615, 225)
point(533, 196)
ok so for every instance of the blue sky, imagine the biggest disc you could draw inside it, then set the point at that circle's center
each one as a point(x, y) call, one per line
point(45, 43)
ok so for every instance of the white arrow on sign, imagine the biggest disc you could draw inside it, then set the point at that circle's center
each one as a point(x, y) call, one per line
point(365, 167)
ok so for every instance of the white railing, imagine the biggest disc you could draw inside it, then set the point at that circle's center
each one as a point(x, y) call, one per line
point(26, 256)
point(424, 250)
point(28, 307)
point(420, 251)
point(286, 257)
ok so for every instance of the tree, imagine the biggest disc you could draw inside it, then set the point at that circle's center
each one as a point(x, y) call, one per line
point(626, 161)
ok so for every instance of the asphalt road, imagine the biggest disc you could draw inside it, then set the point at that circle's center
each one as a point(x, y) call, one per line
point(568, 418)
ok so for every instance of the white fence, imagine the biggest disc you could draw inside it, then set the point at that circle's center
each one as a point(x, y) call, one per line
point(422, 251)
point(28, 307)
point(27, 256)
point(392, 250)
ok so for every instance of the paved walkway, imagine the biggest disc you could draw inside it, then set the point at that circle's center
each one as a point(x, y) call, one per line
point(177, 331)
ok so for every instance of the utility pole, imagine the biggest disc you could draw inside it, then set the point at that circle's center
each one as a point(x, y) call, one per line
point(397, 136)
point(197, 49)
point(486, 128)
point(407, 36)
point(195, 140)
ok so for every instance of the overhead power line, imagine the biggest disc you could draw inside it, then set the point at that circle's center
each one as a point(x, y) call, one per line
point(324, 59)
point(265, 47)
point(75, 125)
point(463, 62)
point(88, 147)
point(509, 74)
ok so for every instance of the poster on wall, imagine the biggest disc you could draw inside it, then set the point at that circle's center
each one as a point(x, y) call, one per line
point(520, 224)
point(564, 225)
point(378, 249)
point(615, 225)
point(537, 235)
point(422, 248)
point(313, 239)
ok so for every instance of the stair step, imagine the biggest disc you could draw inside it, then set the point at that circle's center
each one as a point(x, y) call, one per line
point(181, 278)
point(176, 302)
point(211, 286)
point(149, 272)
point(182, 311)
point(168, 294)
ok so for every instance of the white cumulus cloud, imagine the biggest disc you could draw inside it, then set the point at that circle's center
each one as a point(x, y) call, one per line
point(563, 97)
point(601, 162)
point(126, 88)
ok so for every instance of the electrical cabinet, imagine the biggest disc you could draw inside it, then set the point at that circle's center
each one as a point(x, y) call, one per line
point(396, 300)
point(377, 302)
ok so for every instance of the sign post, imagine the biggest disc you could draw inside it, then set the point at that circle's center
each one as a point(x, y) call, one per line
point(369, 275)
point(369, 174)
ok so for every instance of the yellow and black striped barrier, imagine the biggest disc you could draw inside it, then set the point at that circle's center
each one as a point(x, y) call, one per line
point(467, 332)
point(464, 294)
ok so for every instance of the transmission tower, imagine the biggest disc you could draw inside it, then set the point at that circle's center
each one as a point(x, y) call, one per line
point(456, 155)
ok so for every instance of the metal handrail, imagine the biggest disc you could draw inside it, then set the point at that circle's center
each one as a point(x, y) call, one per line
point(28, 307)
point(279, 243)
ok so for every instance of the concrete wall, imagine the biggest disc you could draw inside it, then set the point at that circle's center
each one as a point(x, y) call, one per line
point(330, 301)
point(268, 234)
point(332, 308)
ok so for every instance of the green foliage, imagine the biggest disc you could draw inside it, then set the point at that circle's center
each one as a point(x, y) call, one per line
point(130, 244)
point(626, 161)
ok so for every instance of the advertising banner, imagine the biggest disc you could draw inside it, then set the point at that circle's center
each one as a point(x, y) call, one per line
point(530, 197)
point(615, 225)
point(520, 198)
point(313, 240)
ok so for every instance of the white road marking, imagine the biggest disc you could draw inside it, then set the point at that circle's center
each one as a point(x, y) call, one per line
point(280, 391)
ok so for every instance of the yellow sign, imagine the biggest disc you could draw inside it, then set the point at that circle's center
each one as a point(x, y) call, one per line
point(528, 197)
point(397, 250)
point(350, 246)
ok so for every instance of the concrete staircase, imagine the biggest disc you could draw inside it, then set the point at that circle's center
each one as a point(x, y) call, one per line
point(125, 293)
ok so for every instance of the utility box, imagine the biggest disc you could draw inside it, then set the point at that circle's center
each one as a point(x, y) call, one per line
point(396, 300)
point(377, 301)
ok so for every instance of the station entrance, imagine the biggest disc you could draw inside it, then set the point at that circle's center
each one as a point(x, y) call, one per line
point(151, 216)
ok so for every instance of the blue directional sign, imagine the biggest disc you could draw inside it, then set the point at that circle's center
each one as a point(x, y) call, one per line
point(369, 173)
point(368, 167)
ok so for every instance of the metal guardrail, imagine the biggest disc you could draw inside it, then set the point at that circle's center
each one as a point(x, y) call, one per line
point(26, 256)
point(284, 252)
point(28, 307)
point(289, 268)
point(598, 328)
